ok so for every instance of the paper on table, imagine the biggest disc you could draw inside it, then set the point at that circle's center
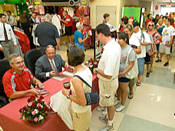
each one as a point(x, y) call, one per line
point(60, 78)
point(67, 73)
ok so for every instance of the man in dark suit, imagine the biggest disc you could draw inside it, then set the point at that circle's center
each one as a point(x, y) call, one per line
point(49, 65)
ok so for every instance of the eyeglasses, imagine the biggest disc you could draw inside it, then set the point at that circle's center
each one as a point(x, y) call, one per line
point(151, 25)
point(17, 63)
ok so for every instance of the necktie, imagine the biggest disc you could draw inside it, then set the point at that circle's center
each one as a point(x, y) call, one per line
point(5, 34)
point(53, 66)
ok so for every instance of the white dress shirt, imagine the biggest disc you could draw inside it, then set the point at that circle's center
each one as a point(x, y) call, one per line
point(10, 33)
point(110, 60)
point(47, 74)
point(56, 21)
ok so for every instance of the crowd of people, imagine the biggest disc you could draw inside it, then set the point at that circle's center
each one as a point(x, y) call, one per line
point(122, 63)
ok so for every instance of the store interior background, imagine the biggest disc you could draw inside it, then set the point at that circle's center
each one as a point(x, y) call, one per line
point(114, 7)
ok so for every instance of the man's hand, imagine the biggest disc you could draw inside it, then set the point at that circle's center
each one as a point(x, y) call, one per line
point(33, 91)
point(39, 84)
point(120, 75)
point(167, 43)
point(52, 73)
point(65, 92)
point(1, 48)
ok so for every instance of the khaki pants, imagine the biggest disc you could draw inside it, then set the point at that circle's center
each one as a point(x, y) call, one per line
point(81, 121)
point(9, 49)
point(107, 92)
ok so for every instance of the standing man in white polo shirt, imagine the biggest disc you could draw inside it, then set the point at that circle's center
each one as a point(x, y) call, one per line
point(142, 39)
point(107, 72)
point(167, 41)
point(8, 42)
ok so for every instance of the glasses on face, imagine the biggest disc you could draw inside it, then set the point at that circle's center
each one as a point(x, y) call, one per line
point(19, 62)
point(151, 25)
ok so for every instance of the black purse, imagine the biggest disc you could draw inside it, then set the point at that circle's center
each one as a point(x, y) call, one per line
point(91, 98)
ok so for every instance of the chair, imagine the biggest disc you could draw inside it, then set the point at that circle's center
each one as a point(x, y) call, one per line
point(1, 55)
point(30, 59)
point(4, 66)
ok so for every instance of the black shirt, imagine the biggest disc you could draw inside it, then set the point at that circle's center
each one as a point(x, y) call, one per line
point(47, 34)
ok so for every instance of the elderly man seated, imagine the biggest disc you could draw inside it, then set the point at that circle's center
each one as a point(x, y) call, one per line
point(17, 81)
point(49, 65)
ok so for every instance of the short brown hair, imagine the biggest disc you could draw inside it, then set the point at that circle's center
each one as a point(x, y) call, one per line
point(13, 56)
point(75, 55)
point(106, 15)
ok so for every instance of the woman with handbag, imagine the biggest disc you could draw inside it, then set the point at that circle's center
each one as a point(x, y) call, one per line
point(127, 61)
point(151, 49)
point(81, 112)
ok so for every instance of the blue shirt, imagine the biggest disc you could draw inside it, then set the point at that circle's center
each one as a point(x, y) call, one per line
point(77, 35)
point(160, 29)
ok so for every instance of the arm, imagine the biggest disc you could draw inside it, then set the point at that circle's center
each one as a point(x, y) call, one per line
point(100, 72)
point(58, 43)
point(11, 93)
point(78, 87)
point(128, 68)
point(40, 74)
point(64, 21)
point(37, 83)
point(145, 43)
point(81, 41)
point(138, 50)
point(19, 94)
point(1, 48)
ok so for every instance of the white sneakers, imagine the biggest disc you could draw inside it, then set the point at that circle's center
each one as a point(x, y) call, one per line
point(120, 108)
point(107, 128)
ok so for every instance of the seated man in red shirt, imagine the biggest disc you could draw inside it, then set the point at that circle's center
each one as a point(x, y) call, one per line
point(17, 80)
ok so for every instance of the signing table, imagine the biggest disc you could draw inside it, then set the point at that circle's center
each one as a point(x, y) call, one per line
point(10, 115)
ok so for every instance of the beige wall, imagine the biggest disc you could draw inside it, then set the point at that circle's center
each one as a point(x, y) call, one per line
point(118, 3)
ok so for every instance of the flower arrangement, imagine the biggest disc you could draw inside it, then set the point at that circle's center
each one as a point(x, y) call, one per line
point(35, 111)
point(92, 63)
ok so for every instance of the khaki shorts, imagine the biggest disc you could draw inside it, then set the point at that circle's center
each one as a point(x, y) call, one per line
point(164, 49)
point(81, 121)
point(107, 92)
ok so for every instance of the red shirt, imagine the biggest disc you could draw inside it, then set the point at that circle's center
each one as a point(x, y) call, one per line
point(13, 81)
point(68, 19)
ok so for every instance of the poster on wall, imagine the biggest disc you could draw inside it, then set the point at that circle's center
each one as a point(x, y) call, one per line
point(134, 12)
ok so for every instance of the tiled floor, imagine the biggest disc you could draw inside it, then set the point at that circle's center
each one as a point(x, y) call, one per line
point(151, 109)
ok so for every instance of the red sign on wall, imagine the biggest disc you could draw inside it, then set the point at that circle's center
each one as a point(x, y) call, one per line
point(156, 7)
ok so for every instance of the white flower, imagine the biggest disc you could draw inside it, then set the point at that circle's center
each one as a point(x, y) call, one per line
point(36, 110)
point(40, 117)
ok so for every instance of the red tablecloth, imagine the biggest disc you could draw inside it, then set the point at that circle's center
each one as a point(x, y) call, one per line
point(10, 116)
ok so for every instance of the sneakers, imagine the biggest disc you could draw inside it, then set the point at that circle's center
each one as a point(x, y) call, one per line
point(166, 64)
point(147, 74)
point(158, 61)
point(107, 128)
point(120, 108)
point(103, 118)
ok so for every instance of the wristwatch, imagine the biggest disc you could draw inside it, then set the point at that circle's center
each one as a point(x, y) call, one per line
point(68, 96)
